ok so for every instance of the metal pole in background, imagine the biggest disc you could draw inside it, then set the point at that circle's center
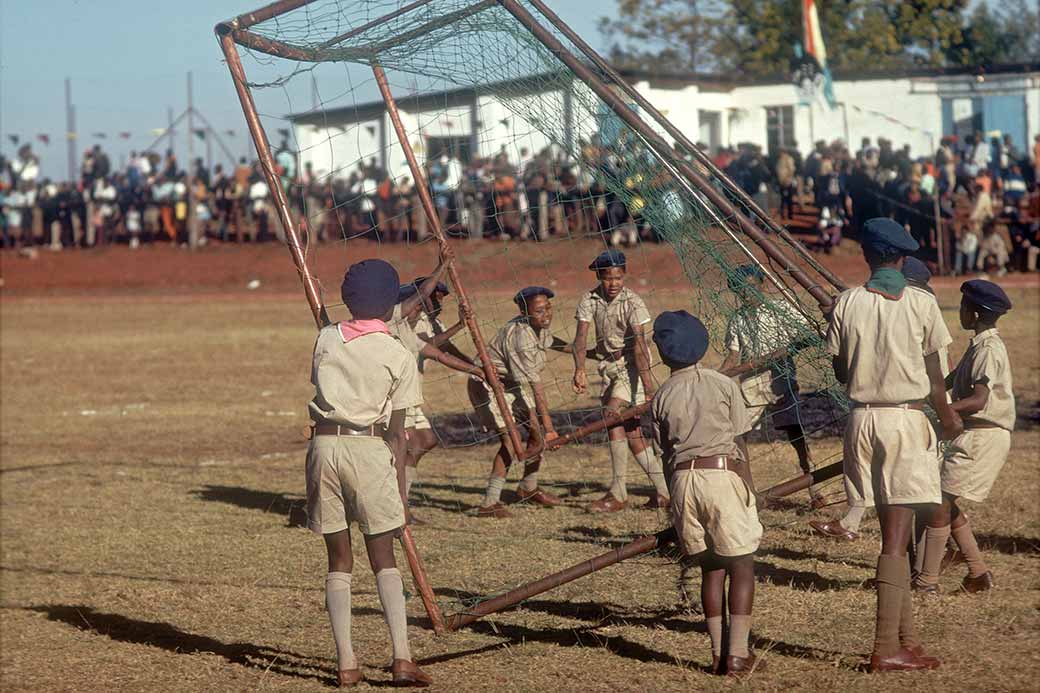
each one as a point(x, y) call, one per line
point(70, 129)
point(940, 241)
point(423, 191)
point(193, 229)
point(169, 129)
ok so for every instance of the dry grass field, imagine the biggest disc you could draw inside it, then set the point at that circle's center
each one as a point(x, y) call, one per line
point(151, 522)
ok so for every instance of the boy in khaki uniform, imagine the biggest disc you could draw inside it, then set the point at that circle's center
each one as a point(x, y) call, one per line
point(699, 420)
point(885, 343)
point(364, 381)
point(982, 394)
point(620, 317)
point(518, 354)
point(402, 325)
point(755, 331)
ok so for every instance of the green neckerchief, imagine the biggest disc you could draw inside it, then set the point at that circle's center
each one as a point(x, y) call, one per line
point(888, 282)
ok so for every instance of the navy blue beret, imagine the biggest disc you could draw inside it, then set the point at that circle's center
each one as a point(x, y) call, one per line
point(608, 258)
point(986, 295)
point(406, 291)
point(680, 337)
point(883, 236)
point(742, 274)
point(527, 293)
point(440, 288)
point(369, 289)
point(916, 271)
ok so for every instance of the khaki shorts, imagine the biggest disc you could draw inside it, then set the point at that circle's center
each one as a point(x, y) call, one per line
point(621, 381)
point(713, 510)
point(891, 458)
point(973, 461)
point(414, 417)
point(482, 397)
point(352, 479)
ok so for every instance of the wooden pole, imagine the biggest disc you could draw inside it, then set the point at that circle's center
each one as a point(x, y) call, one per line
point(423, 191)
point(638, 547)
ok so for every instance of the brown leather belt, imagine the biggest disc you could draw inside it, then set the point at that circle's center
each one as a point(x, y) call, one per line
point(716, 462)
point(331, 429)
point(973, 424)
point(916, 406)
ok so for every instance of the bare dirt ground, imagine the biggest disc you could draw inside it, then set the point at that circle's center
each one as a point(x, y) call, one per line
point(151, 508)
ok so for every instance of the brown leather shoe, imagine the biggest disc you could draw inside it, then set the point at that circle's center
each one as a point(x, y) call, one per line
point(903, 660)
point(497, 511)
point(348, 678)
point(920, 586)
point(538, 497)
point(606, 504)
point(407, 674)
point(833, 530)
point(951, 557)
point(973, 585)
point(743, 666)
point(657, 501)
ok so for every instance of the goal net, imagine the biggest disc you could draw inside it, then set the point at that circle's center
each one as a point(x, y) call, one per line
point(537, 157)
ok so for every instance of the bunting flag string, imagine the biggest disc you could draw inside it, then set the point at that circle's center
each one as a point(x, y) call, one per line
point(202, 133)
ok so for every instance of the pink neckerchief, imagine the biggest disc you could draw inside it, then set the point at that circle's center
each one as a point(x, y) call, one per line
point(350, 330)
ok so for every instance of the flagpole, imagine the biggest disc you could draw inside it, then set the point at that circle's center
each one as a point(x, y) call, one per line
point(193, 230)
point(70, 130)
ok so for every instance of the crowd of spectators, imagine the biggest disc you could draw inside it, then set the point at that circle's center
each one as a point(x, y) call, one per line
point(982, 192)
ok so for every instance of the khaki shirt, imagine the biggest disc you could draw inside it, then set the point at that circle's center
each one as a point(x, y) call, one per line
point(986, 362)
point(518, 352)
point(944, 353)
point(360, 382)
point(614, 321)
point(883, 343)
point(400, 328)
point(426, 329)
point(697, 412)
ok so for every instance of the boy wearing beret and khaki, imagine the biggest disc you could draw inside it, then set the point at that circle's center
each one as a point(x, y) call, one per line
point(982, 394)
point(699, 420)
point(518, 353)
point(364, 382)
point(620, 318)
point(885, 342)
point(402, 325)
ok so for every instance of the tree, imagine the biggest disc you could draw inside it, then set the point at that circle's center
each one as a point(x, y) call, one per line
point(757, 37)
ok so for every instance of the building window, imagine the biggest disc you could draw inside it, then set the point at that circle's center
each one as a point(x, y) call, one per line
point(779, 128)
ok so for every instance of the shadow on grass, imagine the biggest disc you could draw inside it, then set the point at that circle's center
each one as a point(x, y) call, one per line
point(1008, 545)
point(153, 578)
point(799, 579)
point(291, 507)
point(172, 639)
point(598, 614)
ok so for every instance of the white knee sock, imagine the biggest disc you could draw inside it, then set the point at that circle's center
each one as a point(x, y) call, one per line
point(337, 603)
point(852, 518)
point(529, 482)
point(494, 490)
point(619, 466)
point(651, 464)
point(391, 596)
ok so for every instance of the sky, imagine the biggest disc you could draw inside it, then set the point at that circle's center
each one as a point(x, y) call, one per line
point(128, 62)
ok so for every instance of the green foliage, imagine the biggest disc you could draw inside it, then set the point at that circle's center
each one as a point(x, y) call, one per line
point(757, 37)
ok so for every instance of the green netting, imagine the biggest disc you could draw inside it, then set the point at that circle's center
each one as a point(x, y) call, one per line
point(449, 54)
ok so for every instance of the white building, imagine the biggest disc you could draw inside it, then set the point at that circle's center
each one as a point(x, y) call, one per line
point(915, 108)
